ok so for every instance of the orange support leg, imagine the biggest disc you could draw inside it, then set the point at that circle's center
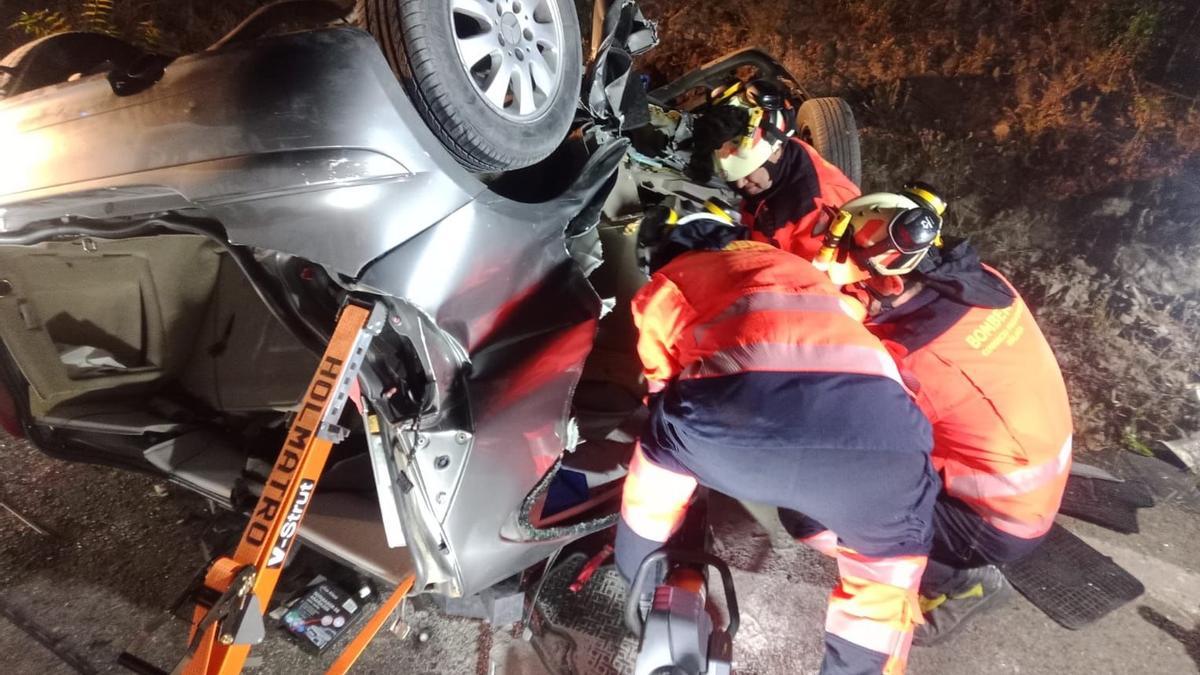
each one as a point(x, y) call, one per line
point(275, 521)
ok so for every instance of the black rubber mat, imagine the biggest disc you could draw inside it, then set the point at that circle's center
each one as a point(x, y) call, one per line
point(1071, 582)
point(1106, 503)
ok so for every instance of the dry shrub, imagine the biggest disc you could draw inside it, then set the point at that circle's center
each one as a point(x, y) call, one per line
point(1064, 80)
point(1028, 115)
point(170, 25)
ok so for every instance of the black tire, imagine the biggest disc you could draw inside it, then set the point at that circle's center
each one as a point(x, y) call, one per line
point(418, 39)
point(828, 125)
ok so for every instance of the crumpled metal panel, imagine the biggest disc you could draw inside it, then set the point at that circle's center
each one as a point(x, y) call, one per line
point(614, 91)
point(497, 280)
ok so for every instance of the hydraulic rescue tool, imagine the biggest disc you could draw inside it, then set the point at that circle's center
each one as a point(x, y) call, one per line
point(675, 621)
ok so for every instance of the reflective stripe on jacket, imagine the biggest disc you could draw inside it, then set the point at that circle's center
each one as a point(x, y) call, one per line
point(773, 390)
point(757, 310)
point(793, 215)
point(992, 389)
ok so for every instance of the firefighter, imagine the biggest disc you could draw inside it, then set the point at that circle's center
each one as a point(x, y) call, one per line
point(989, 384)
point(769, 388)
point(789, 191)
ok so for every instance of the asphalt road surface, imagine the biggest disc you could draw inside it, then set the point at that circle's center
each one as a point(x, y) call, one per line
point(123, 546)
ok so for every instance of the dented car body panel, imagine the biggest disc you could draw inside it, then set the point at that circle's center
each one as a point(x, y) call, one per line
point(305, 148)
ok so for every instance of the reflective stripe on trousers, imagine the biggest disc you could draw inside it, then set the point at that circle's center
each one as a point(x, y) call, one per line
point(824, 542)
point(655, 499)
point(875, 604)
point(898, 571)
point(768, 356)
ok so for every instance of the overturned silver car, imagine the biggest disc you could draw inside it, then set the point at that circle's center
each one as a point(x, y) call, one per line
point(177, 236)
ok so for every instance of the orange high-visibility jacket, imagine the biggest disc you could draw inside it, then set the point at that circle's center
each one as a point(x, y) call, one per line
point(772, 390)
point(762, 310)
point(992, 389)
point(793, 214)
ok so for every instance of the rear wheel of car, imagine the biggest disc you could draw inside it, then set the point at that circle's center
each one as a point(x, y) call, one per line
point(496, 80)
point(828, 125)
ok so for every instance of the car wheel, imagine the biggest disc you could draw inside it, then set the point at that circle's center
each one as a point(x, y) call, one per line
point(496, 80)
point(828, 125)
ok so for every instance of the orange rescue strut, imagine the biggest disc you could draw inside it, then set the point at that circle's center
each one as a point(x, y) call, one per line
point(224, 629)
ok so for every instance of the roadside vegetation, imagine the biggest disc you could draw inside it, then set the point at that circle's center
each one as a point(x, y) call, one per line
point(172, 26)
point(93, 16)
point(1066, 134)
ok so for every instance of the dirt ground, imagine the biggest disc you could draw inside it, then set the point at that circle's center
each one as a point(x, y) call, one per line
point(124, 546)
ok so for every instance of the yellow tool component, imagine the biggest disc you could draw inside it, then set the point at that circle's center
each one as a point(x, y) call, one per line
point(837, 229)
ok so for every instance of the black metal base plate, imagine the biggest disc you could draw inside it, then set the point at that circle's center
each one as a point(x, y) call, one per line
point(1071, 582)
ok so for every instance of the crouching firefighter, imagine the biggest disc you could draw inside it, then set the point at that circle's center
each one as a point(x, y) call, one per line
point(770, 389)
point(987, 380)
point(788, 190)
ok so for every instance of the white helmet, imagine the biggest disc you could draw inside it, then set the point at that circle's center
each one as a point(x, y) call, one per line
point(766, 132)
point(890, 232)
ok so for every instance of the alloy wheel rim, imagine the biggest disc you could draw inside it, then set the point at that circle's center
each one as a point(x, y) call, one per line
point(512, 51)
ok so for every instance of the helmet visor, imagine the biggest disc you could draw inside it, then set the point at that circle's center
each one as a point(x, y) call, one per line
point(894, 263)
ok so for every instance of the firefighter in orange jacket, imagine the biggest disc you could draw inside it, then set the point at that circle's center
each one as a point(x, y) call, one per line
point(770, 389)
point(789, 191)
point(988, 382)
